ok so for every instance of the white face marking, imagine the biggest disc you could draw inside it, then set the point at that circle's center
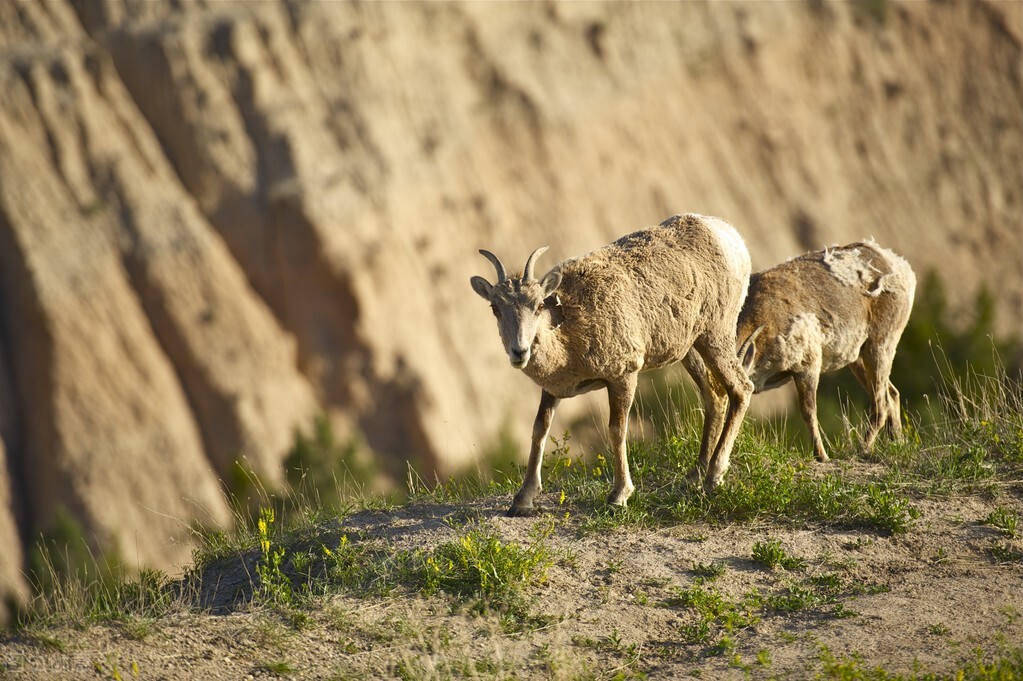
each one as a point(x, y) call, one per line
point(518, 309)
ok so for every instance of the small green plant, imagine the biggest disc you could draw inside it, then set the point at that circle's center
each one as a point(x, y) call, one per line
point(347, 564)
point(726, 644)
point(1005, 552)
point(277, 668)
point(770, 554)
point(714, 613)
point(478, 564)
point(841, 612)
point(795, 599)
point(709, 571)
point(274, 585)
point(110, 669)
point(697, 632)
point(1003, 519)
point(889, 511)
point(829, 581)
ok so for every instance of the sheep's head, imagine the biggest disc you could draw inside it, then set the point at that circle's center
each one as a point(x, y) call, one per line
point(518, 304)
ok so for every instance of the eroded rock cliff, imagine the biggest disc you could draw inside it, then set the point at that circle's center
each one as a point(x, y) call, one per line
point(220, 219)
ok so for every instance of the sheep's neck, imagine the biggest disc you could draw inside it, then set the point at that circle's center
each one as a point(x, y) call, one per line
point(549, 357)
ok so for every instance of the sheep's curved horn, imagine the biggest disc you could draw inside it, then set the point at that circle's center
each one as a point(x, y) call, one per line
point(527, 272)
point(748, 342)
point(501, 275)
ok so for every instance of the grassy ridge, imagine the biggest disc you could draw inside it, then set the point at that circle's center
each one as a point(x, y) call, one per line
point(975, 448)
point(295, 553)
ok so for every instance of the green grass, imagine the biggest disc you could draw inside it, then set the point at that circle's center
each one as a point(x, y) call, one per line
point(135, 601)
point(767, 481)
point(970, 443)
point(715, 615)
point(716, 622)
point(1007, 666)
point(479, 565)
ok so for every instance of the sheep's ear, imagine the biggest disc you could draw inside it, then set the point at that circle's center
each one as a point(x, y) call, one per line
point(482, 287)
point(550, 282)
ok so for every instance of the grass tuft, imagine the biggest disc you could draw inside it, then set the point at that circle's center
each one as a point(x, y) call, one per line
point(770, 554)
point(1004, 520)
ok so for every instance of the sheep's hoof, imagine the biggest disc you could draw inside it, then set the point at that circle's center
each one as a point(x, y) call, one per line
point(823, 458)
point(694, 476)
point(620, 498)
point(710, 484)
point(522, 512)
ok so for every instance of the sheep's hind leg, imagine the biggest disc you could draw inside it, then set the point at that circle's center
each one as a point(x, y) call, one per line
point(715, 404)
point(721, 360)
point(531, 485)
point(620, 396)
point(872, 370)
point(894, 425)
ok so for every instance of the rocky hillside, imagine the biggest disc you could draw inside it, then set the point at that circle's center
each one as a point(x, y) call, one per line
point(221, 219)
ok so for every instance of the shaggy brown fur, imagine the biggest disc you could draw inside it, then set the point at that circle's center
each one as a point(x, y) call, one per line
point(844, 306)
point(639, 303)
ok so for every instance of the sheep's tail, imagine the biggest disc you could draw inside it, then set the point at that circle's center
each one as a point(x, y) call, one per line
point(746, 344)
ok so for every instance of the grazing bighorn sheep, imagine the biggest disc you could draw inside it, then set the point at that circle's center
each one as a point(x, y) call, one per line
point(642, 302)
point(843, 306)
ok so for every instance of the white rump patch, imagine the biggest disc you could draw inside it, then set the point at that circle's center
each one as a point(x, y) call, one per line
point(732, 245)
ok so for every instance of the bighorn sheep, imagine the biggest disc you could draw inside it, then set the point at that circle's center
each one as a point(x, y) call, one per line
point(843, 306)
point(642, 302)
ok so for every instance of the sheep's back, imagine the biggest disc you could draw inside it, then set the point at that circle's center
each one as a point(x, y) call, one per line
point(649, 294)
point(834, 299)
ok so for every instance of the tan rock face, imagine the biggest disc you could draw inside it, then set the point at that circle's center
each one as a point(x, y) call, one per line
point(219, 219)
point(13, 586)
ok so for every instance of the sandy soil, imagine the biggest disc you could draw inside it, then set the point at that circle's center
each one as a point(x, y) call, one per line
point(925, 600)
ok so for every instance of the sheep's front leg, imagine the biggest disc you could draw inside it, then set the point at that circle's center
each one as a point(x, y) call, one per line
point(531, 485)
point(620, 395)
point(715, 404)
point(806, 388)
point(719, 356)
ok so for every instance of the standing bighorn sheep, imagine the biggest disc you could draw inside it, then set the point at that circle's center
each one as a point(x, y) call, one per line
point(642, 302)
point(844, 306)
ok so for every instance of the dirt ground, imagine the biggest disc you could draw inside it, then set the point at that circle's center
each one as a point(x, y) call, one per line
point(924, 601)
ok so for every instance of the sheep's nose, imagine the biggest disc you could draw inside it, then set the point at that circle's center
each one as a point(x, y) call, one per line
point(518, 355)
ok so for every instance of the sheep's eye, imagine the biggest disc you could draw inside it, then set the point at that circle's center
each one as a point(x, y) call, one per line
point(540, 306)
